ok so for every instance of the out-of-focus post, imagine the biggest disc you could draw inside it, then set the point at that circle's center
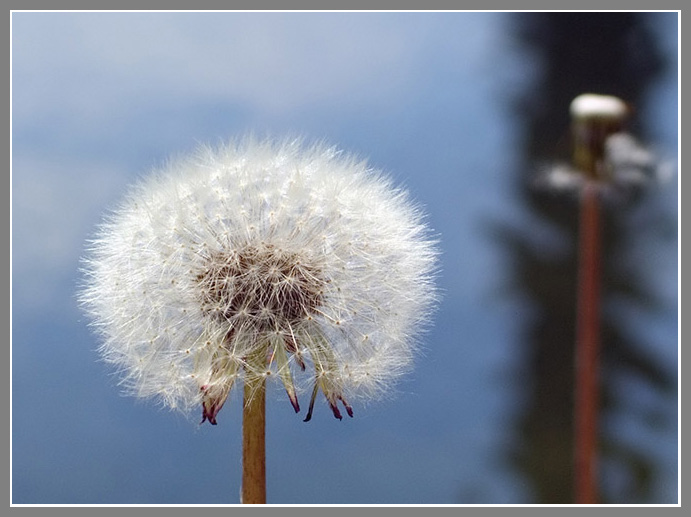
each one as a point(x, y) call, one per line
point(595, 118)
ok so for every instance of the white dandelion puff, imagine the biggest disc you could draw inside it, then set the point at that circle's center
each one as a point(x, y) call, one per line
point(293, 262)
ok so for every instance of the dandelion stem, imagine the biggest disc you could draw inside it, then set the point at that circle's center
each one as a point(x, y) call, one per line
point(253, 441)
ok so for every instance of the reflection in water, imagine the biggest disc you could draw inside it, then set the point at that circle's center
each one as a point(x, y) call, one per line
point(607, 53)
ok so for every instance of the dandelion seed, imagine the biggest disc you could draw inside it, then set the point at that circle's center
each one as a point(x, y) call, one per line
point(258, 258)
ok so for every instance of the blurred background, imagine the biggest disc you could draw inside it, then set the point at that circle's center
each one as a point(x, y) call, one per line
point(463, 109)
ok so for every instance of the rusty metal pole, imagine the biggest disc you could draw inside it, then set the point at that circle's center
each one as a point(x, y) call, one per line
point(595, 118)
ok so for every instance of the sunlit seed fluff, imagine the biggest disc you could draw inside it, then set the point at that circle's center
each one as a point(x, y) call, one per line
point(299, 255)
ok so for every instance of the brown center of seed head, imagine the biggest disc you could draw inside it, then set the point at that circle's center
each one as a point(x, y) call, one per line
point(260, 288)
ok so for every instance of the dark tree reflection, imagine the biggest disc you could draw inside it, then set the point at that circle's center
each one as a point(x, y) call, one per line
point(606, 53)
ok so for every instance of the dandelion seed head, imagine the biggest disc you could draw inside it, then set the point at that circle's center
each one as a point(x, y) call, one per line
point(303, 255)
